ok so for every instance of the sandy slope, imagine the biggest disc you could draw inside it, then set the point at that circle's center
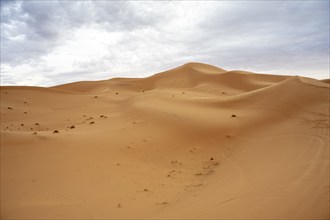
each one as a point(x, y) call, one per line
point(168, 146)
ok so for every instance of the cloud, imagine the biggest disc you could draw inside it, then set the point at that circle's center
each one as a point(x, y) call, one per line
point(51, 42)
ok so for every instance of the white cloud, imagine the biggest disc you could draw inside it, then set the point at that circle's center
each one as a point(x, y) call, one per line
point(52, 42)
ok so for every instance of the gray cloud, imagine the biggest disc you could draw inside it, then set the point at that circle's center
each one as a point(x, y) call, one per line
point(51, 42)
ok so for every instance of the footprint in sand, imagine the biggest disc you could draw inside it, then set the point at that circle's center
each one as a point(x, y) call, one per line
point(193, 150)
point(176, 163)
point(173, 173)
point(208, 167)
point(162, 203)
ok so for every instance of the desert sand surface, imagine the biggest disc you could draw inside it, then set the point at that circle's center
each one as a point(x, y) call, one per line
point(194, 142)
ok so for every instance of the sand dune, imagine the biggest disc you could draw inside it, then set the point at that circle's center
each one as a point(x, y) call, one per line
point(194, 142)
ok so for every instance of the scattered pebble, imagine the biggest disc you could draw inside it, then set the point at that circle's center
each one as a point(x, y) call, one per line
point(72, 127)
point(56, 131)
point(233, 116)
point(92, 122)
point(10, 108)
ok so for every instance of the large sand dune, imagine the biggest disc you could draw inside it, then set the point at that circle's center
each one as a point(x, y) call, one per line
point(195, 142)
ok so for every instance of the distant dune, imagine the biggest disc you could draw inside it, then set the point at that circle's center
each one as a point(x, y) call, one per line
point(194, 142)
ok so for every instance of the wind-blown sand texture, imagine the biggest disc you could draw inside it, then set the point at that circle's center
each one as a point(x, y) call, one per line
point(195, 142)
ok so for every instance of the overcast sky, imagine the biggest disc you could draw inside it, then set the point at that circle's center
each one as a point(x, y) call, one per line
point(47, 43)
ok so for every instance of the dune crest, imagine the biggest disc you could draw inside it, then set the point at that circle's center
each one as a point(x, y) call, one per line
point(194, 142)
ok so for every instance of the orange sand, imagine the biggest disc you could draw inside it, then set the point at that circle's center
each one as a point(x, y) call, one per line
point(195, 142)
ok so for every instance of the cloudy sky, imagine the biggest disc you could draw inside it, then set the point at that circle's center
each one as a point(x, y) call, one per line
point(47, 43)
